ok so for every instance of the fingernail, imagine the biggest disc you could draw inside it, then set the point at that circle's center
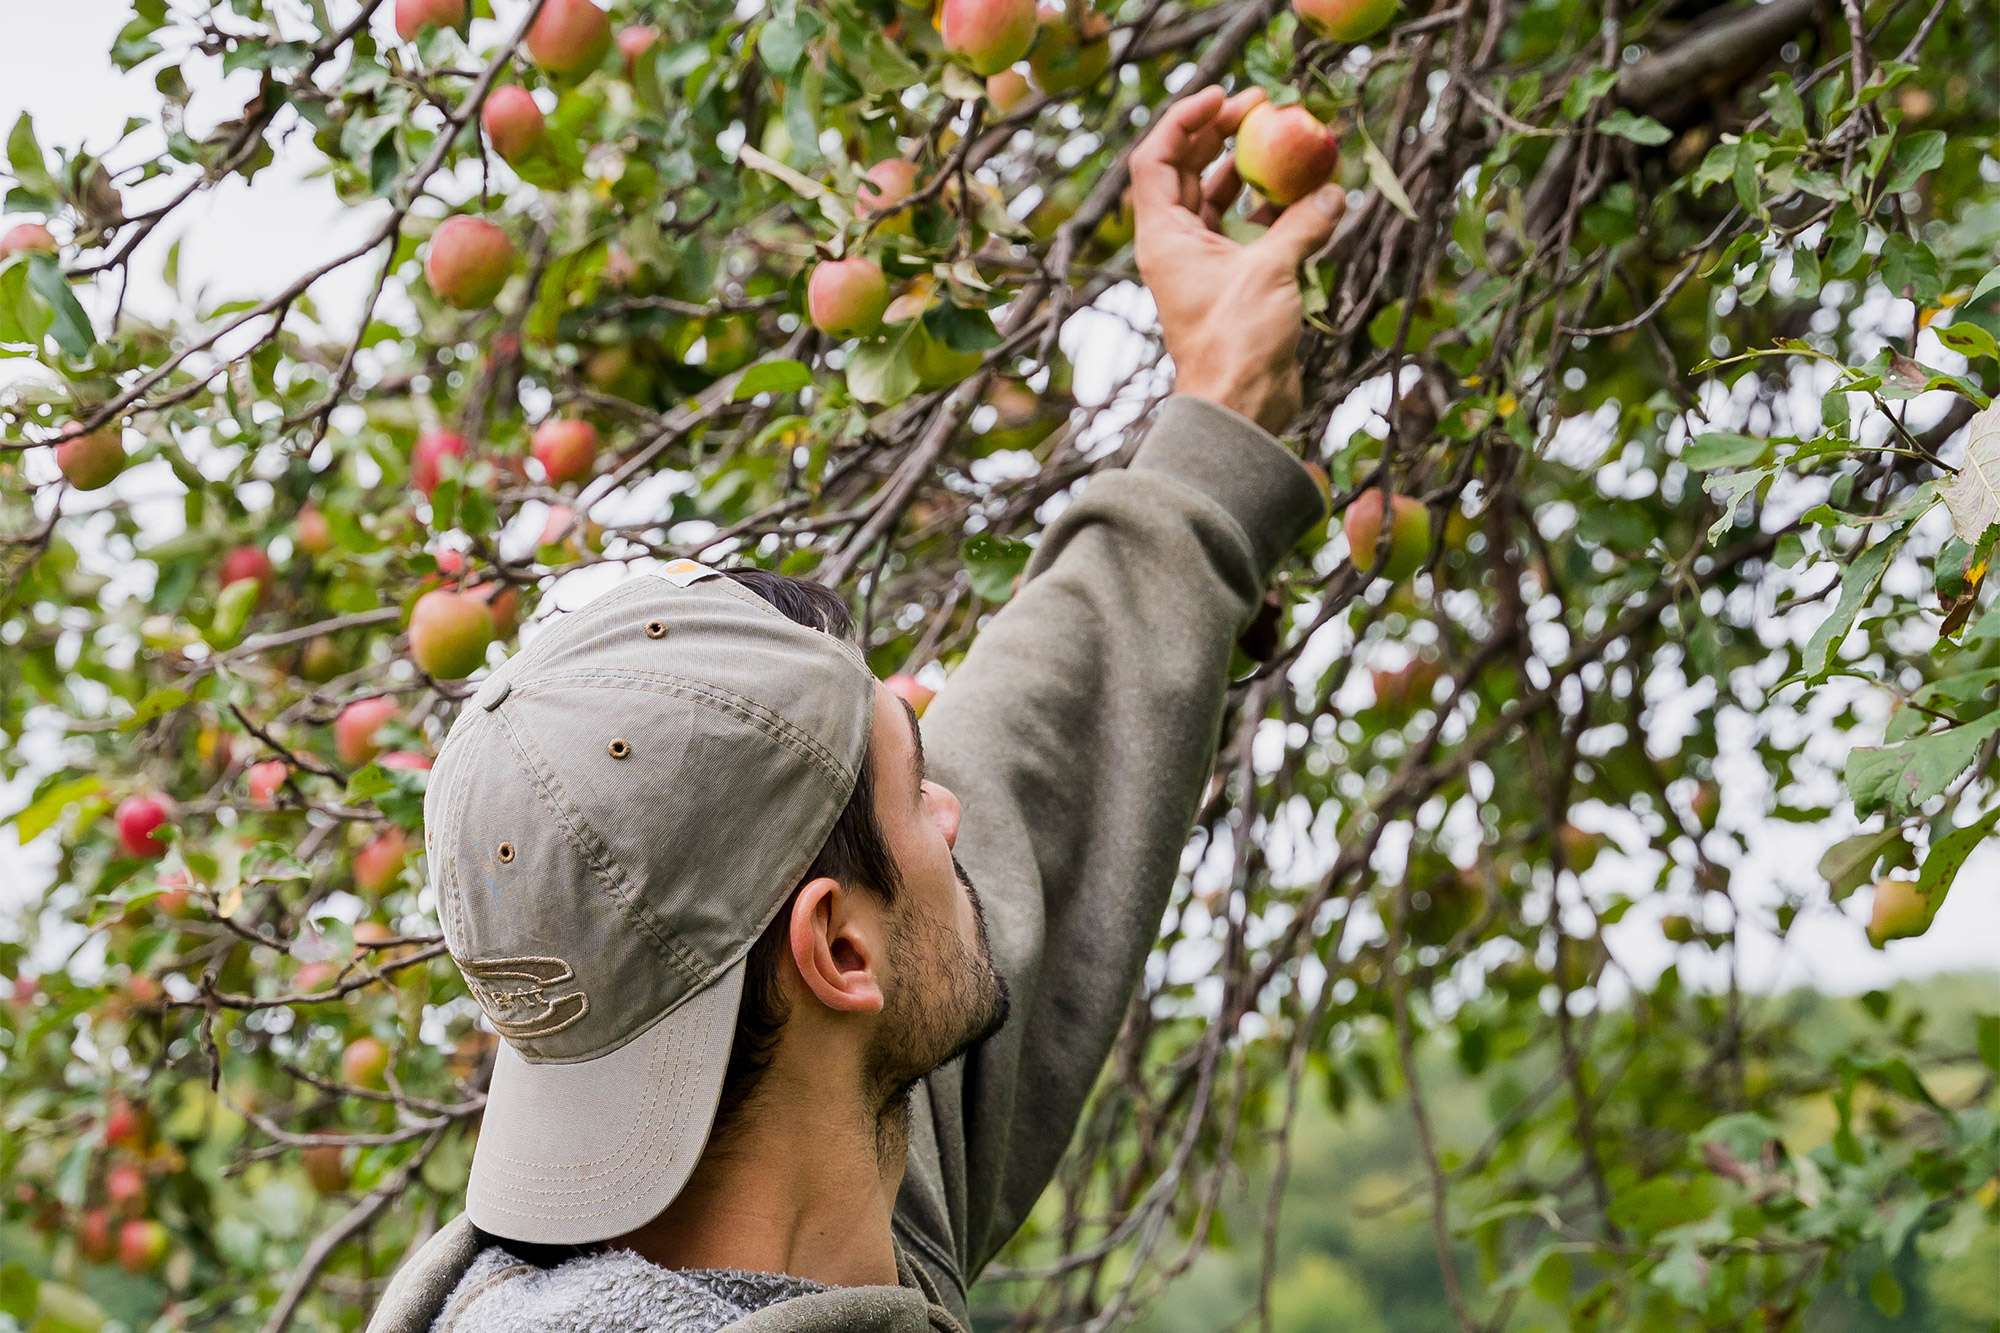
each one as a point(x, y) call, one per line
point(1329, 197)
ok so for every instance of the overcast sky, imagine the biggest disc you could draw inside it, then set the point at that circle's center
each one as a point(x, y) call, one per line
point(246, 241)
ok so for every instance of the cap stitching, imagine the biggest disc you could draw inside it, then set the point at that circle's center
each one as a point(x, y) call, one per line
point(591, 847)
point(749, 598)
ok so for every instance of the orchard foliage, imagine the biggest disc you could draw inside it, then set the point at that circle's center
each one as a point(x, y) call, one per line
point(1677, 319)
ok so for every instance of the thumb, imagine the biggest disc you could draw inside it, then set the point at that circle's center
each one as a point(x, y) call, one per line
point(1303, 227)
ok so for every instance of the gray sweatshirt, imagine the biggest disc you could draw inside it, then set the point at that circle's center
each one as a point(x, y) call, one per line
point(1078, 734)
point(618, 1289)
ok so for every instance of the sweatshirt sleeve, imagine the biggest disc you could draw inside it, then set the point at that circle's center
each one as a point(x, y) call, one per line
point(1078, 733)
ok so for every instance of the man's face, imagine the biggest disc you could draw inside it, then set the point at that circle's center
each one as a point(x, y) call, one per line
point(944, 995)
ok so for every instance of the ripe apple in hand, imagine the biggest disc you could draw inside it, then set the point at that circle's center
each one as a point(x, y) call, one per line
point(428, 455)
point(845, 298)
point(1345, 20)
point(89, 462)
point(565, 449)
point(987, 35)
point(513, 123)
point(569, 37)
point(469, 261)
point(1409, 533)
point(1284, 152)
point(137, 817)
point(354, 731)
point(449, 632)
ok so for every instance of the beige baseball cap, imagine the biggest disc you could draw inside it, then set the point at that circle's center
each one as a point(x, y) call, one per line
point(614, 818)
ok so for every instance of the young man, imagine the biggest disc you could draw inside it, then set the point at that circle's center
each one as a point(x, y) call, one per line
point(715, 889)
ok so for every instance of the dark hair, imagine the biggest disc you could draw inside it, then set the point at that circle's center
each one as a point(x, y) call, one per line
point(855, 852)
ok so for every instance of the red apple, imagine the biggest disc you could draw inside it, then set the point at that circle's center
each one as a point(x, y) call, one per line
point(886, 185)
point(314, 977)
point(428, 455)
point(846, 297)
point(469, 261)
point(1007, 90)
point(413, 16)
point(324, 1168)
point(142, 1244)
point(1345, 20)
point(354, 731)
point(311, 532)
point(125, 1186)
point(513, 123)
point(987, 35)
point(264, 779)
point(635, 40)
point(1284, 152)
point(124, 1124)
point(1069, 57)
point(137, 817)
point(377, 864)
point(1409, 533)
point(365, 1062)
point(449, 632)
point(95, 1240)
point(406, 759)
point(1900, 911)
point(246, 562)
point(27, 238)
point(569, 37)
point(565, 449)
point(910, 688)
point(91, 461)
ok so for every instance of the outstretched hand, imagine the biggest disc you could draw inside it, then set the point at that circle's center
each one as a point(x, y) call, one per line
point(1230, 313)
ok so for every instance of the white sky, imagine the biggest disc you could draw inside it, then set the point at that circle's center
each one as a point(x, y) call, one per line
point(240, 241)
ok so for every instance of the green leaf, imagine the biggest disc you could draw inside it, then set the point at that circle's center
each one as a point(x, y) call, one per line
point(1850, 863)
point(163, 699)
point(1382, 175)
point(1639, 129)
point(1585, 92)
point(775, 376)
point(72, 327)
point(1722, 449)
point(24, 321)
point(1973, 496)
point(1947, 855)
point(232, 611)
point(40, 814)
point(992, 562)
point(1913, 157)
point(1986, 284)
point(24, 156)
point(883, 372)
point(1886, 1293)
point(1857, 585)
point(1903, 776)
point(1988, 1041)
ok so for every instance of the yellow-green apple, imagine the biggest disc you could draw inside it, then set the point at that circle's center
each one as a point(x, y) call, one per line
point(355, 739)
point(449, 632)
point(569, 36)
point(325, 1170)
point(565, 449)
point(1345, 20)
point(380, 861)
point(1900, 911)
point(142, 1244)
point(469, 261)
point(513, 123)
point(413, 16)
point(428, 455)
point(311, 532)
point(90, 461)
point(987, 35)
point(137, 817)
point(320, 660)
point(1007, 90)
point(846, 297)
point(1069, 57)
point(634, 40)
point(908, 687)
point(1284, 152)
point(265, 778)
point(1677, 928)
point(364, 1062)
point(27, 238)
point(1409, 533)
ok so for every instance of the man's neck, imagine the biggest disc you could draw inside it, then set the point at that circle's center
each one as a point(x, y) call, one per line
point(791, 1192)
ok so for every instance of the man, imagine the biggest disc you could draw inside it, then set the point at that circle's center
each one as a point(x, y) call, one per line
point(715, 889)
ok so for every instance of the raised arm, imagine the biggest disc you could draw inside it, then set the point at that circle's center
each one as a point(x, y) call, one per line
point(1080, 729)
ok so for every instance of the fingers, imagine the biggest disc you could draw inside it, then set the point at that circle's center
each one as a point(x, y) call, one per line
point(1303, 227)
point(1218, 191)
point(1161, 163)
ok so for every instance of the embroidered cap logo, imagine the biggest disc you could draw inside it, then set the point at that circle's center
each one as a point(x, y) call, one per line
point(515, 993)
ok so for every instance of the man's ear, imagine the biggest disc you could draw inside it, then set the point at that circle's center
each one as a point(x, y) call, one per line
point(838, 938)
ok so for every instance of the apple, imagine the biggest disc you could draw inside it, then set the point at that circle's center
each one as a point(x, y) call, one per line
point(449, 632)
point(1677, 929)
point(569, 37)
point(845, 298)
point(910, 688)
point(428, 454)
point(1900, 911)
point(365, 1062)
point(246, 562)
point(469, 261)
point(1007, 90)
point(405, 759)
point(354, 731)
point(413, 16)
point(373, 933)
point(1069, 58)
point(1580, 848)
point(1407, 686)
point(1345, 20)
point(987, 35)
point(504, 601)
point(315, 977)
point(142, 1244)
point(264, 779)
point(27, 238)
point(137, 817)
point(1409, 533)
point(125, 1186)
point(324, 1168)
point(378, 864)
point(1578, 962)
point(513, 123)
point(1284, 152)
point(565, 449)
point(311, 532)
point(89, 462)
point(320, 660)
point(634, 40)
point(885, 186)
point(94, 1238)
point(124, 1124)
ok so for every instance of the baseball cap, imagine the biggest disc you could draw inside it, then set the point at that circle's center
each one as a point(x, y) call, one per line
point(615, 816)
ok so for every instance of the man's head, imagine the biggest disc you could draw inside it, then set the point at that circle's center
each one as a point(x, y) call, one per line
point(881, 951)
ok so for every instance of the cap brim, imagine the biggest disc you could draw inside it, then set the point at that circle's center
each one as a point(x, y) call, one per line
point(584, 1151)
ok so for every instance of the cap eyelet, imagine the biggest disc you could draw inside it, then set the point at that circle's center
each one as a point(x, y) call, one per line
point(656, 629)
point(506, 853)
point(619, 749)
